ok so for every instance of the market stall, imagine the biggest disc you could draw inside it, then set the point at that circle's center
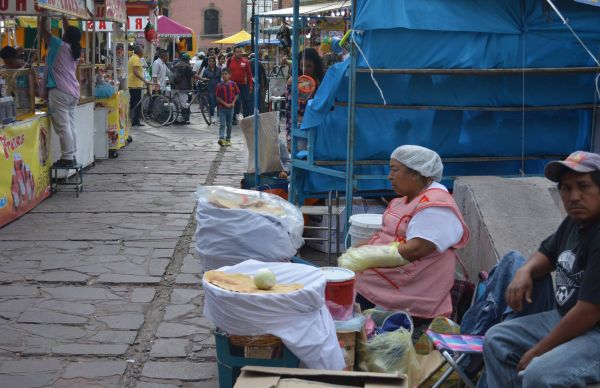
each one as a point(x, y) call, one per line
point(24, 133)
point(28, 147)
point(171, 33)
point(112, 124)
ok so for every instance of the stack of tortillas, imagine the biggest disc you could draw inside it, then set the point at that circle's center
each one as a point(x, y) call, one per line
point(244, 284)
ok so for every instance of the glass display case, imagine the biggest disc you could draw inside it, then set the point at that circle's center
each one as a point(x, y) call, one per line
point(20, 84)
point(85, 77)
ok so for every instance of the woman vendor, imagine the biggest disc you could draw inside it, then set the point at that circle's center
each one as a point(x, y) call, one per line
point(427, 222)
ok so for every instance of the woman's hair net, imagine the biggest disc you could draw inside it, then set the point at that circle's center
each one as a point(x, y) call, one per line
point(423, 160)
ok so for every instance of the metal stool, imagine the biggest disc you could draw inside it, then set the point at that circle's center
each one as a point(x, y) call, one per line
point(78, 184)
point(329, 211)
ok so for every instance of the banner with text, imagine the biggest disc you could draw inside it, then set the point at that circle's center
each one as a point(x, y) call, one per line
point(134, 24)
point(76, 8)
point(24, 167)
point(114, 10)
point(18, 7)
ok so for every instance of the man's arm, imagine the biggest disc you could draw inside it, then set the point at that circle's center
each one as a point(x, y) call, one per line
point(249, 79)
point(520, 287)
point(579, 320)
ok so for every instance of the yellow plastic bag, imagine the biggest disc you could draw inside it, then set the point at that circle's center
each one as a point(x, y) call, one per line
point(372, 256)
point(389, 352)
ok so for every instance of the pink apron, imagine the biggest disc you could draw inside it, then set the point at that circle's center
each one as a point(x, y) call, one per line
point(421, 287)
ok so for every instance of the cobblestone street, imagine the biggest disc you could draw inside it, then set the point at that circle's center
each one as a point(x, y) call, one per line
point(104, 290)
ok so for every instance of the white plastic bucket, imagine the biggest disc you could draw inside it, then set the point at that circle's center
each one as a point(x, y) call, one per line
point(363, 227)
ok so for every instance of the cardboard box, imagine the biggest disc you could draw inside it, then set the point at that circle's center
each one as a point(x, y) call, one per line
point(265, 377)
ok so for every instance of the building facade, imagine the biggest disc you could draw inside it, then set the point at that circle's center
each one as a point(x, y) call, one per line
point(210, 19)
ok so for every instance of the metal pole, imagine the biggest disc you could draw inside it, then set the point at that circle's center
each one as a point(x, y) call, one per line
point(256, 95)
point(295, 29)
point(351, 124)
point(253, 23)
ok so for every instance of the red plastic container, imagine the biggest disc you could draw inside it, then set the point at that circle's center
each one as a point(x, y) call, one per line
point(339, 292)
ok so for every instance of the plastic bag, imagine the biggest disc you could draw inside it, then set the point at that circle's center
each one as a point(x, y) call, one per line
point(236, 225)
point(372, 256)
point(389, 352)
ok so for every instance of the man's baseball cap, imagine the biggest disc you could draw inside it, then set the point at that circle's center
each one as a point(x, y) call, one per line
point(578, 161)
point(184, 56)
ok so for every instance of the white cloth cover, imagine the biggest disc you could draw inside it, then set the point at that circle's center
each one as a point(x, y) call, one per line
point(268, 151)
point(230, 236)
point(300, 318)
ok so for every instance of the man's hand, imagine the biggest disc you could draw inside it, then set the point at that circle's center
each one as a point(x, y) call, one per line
point(518, 289)
point(527, 357)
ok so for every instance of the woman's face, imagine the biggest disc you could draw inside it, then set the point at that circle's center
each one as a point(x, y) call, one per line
point(404, 181)
point(307, 67)
point(221, 60)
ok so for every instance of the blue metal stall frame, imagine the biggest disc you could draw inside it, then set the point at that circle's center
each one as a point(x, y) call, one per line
point(349, 176)
point(296, 133)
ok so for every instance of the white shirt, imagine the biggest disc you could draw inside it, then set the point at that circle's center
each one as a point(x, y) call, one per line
point(160, 71)
point(438, 225)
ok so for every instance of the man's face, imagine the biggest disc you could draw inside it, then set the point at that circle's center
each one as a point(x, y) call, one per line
point(119, 51)
point(580, 197)
point(164, 57)
point(237, 52)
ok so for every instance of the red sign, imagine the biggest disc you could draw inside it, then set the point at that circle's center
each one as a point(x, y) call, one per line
point(18, 7)
point(114, 10)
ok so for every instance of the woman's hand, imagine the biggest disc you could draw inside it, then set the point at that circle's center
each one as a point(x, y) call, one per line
point(519, 289)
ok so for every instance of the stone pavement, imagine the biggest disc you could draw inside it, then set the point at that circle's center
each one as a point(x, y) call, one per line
point(104, 290)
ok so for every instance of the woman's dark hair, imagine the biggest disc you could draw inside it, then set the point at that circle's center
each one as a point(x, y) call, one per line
point(8, 52)
point(310, 54)
point(73, 37)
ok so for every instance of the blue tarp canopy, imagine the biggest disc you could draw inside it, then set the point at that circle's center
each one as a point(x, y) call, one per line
point(460, 115)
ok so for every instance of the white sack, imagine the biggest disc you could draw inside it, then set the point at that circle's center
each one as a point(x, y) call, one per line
point(230, 236)
point(300, 318)
point(268, 151)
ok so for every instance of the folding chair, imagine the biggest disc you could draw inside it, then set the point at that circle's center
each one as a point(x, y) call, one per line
point(455, 348)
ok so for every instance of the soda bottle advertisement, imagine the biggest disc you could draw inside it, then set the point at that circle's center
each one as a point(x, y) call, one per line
point(24, 167)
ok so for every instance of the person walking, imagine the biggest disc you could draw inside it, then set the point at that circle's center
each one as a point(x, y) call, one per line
point(239, 67)
point(63, 87)
point(182, 82)
point(136, 82)
point(227, 94)
point(212, 75)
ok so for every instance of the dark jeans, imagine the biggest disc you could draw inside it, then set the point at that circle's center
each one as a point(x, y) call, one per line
point(212, 103)
point(135, 96)
point(243, 101)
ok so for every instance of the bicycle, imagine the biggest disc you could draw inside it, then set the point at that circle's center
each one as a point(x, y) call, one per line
point(197, 102)
point(157, 109)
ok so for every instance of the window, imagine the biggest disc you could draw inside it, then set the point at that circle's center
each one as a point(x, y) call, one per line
point(211, 22)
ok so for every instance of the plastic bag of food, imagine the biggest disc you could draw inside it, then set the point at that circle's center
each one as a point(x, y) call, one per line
point(236, 225)
point(389, 352)
point(372, 256)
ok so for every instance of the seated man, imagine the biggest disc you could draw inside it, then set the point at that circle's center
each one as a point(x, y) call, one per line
point(561, 347)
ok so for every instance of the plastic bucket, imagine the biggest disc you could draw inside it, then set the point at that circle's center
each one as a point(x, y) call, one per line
point(363, 227)
point(339, 292)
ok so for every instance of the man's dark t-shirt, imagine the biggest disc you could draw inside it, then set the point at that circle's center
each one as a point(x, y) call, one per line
point(575, 254)
point(184, 76)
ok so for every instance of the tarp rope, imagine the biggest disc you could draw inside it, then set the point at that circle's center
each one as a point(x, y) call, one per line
point(369, 66)
point(597, 80)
